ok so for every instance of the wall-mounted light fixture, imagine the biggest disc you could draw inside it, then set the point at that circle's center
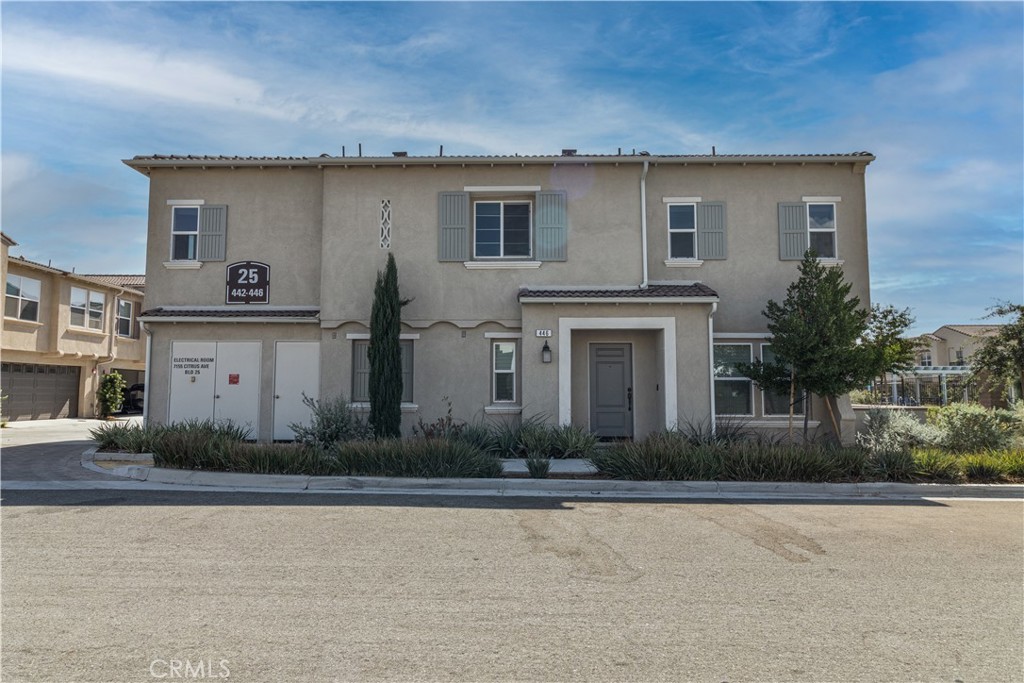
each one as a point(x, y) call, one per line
point(545, 353)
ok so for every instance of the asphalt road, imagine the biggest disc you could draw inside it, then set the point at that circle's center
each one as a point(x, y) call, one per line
point(117, 585)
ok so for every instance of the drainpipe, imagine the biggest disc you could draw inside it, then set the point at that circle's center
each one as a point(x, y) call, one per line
point(711, 359)
point(109, 358)
point(643, 220)
point(145, 390)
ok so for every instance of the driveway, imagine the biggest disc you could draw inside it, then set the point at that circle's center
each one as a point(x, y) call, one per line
point(47, 450)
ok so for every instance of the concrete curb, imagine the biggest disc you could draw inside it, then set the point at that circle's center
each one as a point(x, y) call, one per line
point(571, 488)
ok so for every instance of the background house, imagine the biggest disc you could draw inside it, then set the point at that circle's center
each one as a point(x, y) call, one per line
point(60, 332)
point(617, 292)
point(942, 374)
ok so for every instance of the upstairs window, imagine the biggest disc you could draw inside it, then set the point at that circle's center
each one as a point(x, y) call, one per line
point(682, 231)
point(184, 233)
point(125, 319)
point(926, 359)
point(87, 308)
point(502, 229)
point(22, 299)
point(821, 229)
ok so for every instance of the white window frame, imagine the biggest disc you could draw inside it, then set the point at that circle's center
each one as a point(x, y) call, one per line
point(834, 229)
point(926, 359)
point(21, 297)
point(764, 404)
point(495, 372)
point(693, 231)
point(716, 379)
point(91, 295)
point(131, 319)
point(501, 229)
point(195, 248)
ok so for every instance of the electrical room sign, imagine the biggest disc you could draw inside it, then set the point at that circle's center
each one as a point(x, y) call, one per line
point(248, 282)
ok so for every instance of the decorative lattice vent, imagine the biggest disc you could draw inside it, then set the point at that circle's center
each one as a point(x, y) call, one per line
point(385, 224)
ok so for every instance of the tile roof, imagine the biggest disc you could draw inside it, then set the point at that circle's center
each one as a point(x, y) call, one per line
point(97, 279)
point(295, 313)
point(134, 281)
point(975, 330)
point(651, 292)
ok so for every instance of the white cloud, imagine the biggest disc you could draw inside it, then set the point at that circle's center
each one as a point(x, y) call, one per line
point(143, 71)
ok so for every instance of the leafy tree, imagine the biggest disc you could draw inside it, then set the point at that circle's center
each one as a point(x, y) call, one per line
point(111, 393)
point(817, 338)
point(999, 361)
point(385, 354)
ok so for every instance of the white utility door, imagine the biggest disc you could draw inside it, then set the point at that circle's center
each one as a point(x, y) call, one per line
point(237, 391)
point(193, 377)
point(296, 372)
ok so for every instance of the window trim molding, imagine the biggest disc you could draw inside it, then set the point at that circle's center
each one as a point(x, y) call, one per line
point(132, 317)
point(183, 265)
point(185, 202)
point(508, 189)
point(199, 221)
point(500, 264)
point(681, 200)
point(682, 261)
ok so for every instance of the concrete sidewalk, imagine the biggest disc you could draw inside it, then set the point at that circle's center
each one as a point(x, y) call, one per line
point(554, 487)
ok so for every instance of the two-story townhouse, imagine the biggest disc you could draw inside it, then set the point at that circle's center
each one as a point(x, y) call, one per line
point(616, 292)
point(60, 333)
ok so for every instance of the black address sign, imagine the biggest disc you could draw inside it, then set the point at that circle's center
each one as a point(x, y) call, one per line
point(248, 283)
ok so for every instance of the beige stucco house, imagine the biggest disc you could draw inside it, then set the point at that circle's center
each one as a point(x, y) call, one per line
point(943, 370)
point(60, 333)
point(611, 291)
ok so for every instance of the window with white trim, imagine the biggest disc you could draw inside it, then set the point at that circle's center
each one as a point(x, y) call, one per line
point(184, 232)
point(926, 359)
point(502, 229)
point(503, 371)
point(22, 298)
point(682, 231)
point(126, 319)
point(777, 402)
point(821, 229)
point(87, 308)
point(733, 391)
point(361, 370)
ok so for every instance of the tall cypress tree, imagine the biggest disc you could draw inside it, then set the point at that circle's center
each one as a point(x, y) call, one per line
point(386, 354)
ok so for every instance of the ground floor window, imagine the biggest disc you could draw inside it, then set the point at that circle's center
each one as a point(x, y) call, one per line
point(361, 371)
point(777, 402)
point(733, 391)
point(503, 367)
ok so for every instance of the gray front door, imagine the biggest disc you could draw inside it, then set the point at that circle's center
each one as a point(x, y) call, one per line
point(611, 390)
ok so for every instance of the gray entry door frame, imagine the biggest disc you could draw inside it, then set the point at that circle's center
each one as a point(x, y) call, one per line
point(611, 390)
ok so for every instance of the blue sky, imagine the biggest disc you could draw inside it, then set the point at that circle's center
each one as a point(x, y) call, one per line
point(935, 90)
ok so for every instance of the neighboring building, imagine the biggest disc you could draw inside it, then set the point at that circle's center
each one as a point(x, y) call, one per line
point(614, 292)
point(943, 371)
point(60, 332)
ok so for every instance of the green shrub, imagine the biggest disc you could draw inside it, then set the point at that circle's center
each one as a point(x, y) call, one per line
point(983, 467)
point(572, 441)
point(969, 427)
point(444, 427)
point(126, 436)
point(893, 465)
point(935, 463)
point(889, 431)
point(538, 466)
point(332, 421)
point(1013, 463)
point(111, 393)
point(413, 458)
point(536, 439)
point(476, 435)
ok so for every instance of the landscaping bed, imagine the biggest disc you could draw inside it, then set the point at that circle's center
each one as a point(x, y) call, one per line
point(962, 445)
